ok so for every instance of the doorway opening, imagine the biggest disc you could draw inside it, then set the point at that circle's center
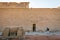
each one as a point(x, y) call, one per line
point(34, 27)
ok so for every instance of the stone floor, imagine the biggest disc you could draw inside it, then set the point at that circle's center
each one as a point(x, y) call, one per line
point(37, 37)
point(42, 36)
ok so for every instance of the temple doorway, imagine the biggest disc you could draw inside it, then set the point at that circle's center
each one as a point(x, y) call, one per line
point(34, 27)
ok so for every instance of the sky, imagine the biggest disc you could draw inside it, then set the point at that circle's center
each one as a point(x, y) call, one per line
point(38, 3)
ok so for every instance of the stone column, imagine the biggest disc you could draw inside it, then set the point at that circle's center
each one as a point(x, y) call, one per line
point(20, 32)
point(6, 32)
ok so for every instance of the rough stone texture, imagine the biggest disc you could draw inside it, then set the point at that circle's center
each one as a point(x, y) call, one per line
point(43, 17)
point(20, 32)
point(14, 5)
point(6, 32)
point(13, 29)
point(26, 17)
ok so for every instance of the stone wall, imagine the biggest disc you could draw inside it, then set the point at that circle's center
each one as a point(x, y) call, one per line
point(14, 5)
point(26, 17)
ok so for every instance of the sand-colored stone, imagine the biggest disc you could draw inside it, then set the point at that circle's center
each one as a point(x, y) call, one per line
point(6, 32)
point(26, 17)
point(14, 5)
point(14, 29)
point(20, 32)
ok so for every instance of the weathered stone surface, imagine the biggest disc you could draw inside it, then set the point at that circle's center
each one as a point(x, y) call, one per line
point(6, 32)
point(14, 5)
point(42, 17)
point(26, 17)
point(14, 29)
point(20, 32)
